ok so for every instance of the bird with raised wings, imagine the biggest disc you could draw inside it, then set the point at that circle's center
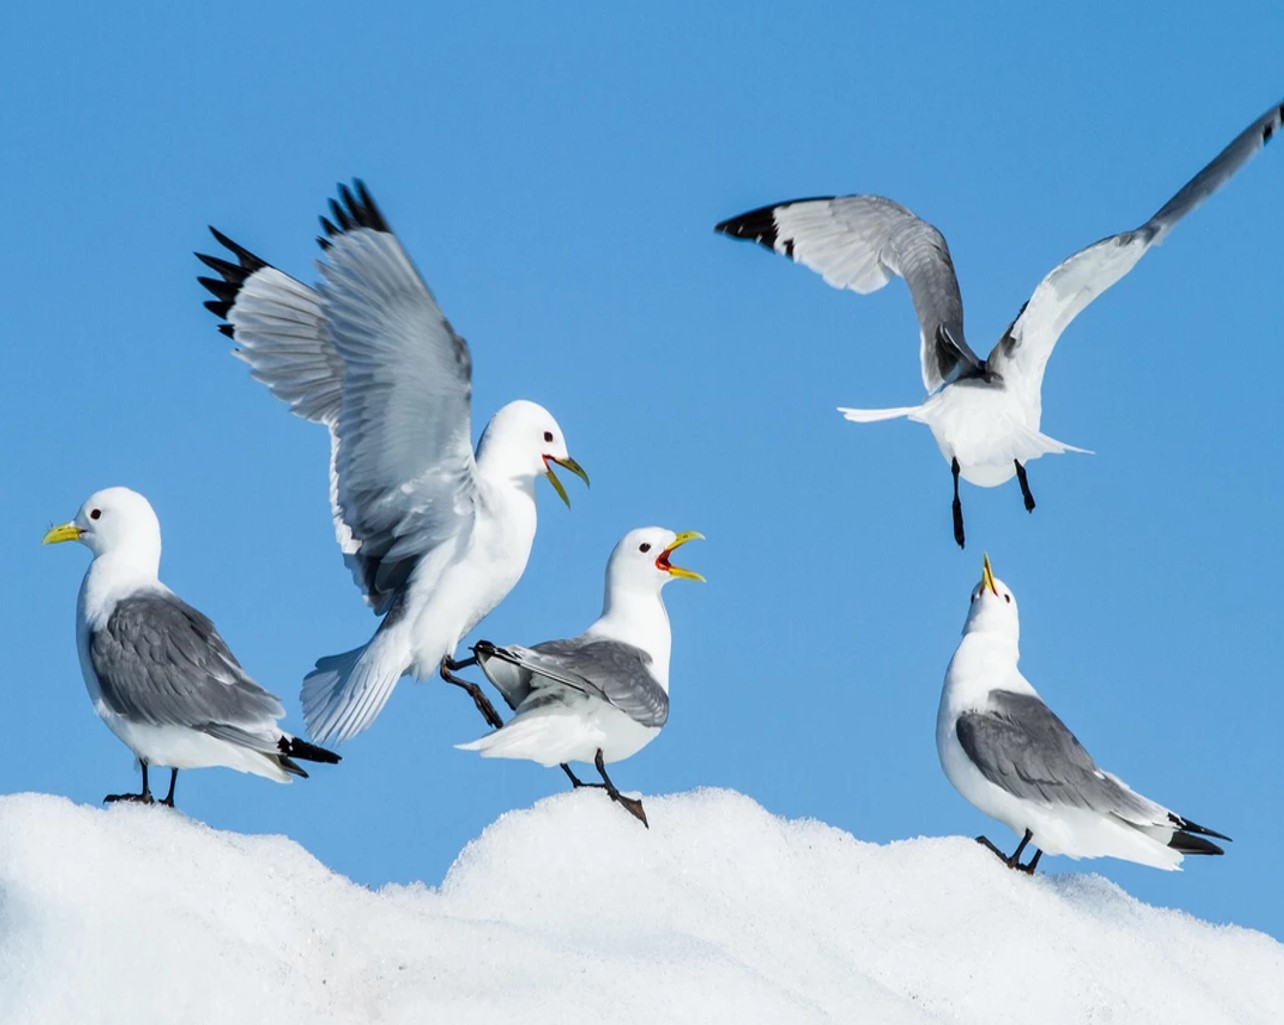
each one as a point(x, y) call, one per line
point(435, 534)
point(984, 413)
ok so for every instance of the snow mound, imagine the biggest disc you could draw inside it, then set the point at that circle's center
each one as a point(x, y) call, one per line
point(570, 912)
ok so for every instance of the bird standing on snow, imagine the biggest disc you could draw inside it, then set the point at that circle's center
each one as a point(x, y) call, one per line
point(1008, 754)
point(984, 414)
point(604, 695)
point(159, 674)
point(434, 535)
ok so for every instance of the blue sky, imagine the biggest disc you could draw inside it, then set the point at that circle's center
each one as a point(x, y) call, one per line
point(556, 173)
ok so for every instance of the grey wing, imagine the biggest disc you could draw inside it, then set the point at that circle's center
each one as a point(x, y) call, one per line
point(403, 463)
point(1022, 353)
point(1021, 746)
point(859, 243)
point(161, 662)
point(616, 672)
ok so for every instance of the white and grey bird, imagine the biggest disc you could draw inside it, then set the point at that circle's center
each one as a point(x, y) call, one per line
point(158, 673)
point(602, 696)
point(435, 535)
point(1011, 757)
point(984, 413)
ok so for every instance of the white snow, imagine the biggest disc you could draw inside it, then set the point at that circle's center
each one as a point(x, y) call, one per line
point(570, 912)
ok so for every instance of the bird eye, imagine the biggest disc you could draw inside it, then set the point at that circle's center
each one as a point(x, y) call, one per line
point(1008, 598)
point(95, 513)
point(548, 435)
point(644, 547)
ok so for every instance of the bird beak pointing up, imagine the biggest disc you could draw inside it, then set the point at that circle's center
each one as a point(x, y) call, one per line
point(571, 465)
point(67, 532)
point(662, 560)
point(987, 577)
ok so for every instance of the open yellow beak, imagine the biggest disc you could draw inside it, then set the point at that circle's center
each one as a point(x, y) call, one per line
point(56, 535)
point(662, 560)
point(987, 577)
point(571, 465)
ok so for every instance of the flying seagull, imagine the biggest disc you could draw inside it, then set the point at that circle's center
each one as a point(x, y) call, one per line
point(604, 695)
point(159, 674)
point(1011, 757)
point(984, 413)
point(435, 535)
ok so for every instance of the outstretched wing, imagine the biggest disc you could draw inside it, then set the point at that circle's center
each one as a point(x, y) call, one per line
point(1022, 353)
point(370, 354)
point(860, 242)
point(616, 672)
point(1021, 746)
point(161, 662)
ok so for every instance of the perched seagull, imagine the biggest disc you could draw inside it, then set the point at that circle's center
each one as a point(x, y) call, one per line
point(604, 695)
point(984, 414)
point(434, 535)
point(159, 674)
point(1008, 753)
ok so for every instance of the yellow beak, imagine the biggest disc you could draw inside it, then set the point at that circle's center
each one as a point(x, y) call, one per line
point(571, 465)
point(662, 560)
point(67, 532)
point(987, 577)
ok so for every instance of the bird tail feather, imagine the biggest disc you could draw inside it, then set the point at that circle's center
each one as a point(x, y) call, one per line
point(543, 738)
point(869, 416)
point(345, 693)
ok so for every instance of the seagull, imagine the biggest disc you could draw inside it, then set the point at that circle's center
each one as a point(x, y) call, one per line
point(158, 673)
point(604, 695)
point(983, 413)
point(435, 535)
point(1012, 758)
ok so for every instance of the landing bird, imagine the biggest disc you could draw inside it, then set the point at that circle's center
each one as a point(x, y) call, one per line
point(434, 535)
point(1008, 753)
point(604, 695)
point(984, 414)
point(158, 673)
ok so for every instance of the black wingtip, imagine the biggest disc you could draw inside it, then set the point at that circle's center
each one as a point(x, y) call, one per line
point(295, 747)
point(353, 209)
point(1194, 827)
point(755, 226)
point(232, 276)
point(1188, 843)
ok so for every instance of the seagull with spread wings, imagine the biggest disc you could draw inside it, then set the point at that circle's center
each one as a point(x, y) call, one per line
point(1011, 757)
point(983, 413)
point(601, 696)
point(158, 672)
point(435, 535)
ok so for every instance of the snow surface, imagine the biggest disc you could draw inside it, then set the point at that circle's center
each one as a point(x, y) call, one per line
point(570, 912)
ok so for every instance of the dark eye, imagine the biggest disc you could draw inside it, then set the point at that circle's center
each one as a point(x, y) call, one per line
point(1008, 598)
point(644, 547)
point(95, 513)
point(548, 435)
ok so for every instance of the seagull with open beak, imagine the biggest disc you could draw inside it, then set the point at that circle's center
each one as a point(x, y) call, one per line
point(601, 696)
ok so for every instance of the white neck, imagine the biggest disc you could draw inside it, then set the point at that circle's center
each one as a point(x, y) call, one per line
point(984, 661)
point(641, 620)
point(120, 571)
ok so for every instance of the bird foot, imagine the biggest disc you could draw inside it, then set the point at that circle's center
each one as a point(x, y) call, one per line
point(632, 805)
point(1013, 860)
point(144, 798)
point(479, 699)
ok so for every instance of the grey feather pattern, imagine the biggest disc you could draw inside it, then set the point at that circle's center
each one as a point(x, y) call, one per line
point(161, 662)
point(613, 671)
point(1020, 745)
point(1021, 355)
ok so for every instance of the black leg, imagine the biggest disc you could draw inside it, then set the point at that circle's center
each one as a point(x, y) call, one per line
point(958, 506)
point(144, 796)
point(479, 699)
point(1013, 860)
point(1024, 481)
point(576, 782)
point(630, 804)
point(169, 797)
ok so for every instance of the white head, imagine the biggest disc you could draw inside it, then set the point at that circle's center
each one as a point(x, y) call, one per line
point(521, 440)
point(994, 608)
point(639, 564)
point(115, 521)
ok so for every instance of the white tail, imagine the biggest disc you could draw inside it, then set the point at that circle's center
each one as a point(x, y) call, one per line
point(344, 693)
point(869, 416)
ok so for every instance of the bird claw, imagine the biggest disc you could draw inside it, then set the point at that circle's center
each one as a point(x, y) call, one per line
point(144, 798)
point(633, 806)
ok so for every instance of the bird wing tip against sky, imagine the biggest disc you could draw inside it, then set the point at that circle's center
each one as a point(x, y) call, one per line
point(554, 174)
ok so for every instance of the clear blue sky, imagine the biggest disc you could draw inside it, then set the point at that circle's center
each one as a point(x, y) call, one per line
point(556, 173)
